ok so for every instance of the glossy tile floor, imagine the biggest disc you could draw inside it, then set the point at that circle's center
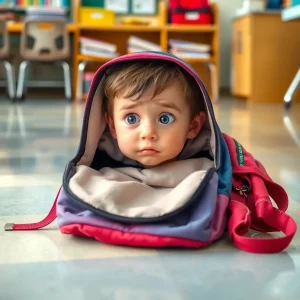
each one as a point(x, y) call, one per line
point(38, 138)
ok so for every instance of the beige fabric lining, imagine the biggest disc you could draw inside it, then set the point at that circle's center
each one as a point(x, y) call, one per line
point(96, 127)
point(134, 192)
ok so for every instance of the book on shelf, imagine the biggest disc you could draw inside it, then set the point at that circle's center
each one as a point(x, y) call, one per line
point(133, 49)
point(190, 54)
point(47, 12)
point(97, 48)
point(189, 46)
point(98, 53)
point(97, 44)
point(135, 42)
point(46, 3)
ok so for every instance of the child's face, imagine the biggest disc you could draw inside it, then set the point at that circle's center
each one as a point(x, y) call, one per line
point(153, 131)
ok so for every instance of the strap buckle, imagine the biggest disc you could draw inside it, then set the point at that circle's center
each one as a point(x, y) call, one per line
point(9, 227)
point(243, 190)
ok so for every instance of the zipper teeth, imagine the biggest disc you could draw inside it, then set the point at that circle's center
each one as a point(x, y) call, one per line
point(110, 216)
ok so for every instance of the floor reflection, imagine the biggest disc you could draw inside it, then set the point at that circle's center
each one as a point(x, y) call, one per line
point(291, 128)
point(226, 275)
point(23, 121)
point(15, 117)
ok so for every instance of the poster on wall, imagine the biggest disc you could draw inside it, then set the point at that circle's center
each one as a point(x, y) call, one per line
point(119, 6)
point(144, 7)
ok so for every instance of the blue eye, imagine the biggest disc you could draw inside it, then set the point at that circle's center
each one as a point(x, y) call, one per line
point(166, 118)
point(132, 119)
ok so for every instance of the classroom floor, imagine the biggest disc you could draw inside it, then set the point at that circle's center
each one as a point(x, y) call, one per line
point(38, 138)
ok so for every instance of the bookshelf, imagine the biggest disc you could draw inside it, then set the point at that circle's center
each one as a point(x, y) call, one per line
point(120, 27)
point(190, 28)
point(19, 7)
point(17, 27)
point(159, 32)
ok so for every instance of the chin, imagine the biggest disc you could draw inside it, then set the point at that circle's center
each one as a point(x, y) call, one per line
point(151, 163)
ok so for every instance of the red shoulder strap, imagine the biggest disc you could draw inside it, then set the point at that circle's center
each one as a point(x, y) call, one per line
point(251, 207)
point(32, 226)
point(241, 221)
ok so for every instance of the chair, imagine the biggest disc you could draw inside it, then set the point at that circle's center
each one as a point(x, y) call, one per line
point(44, 40)
point(4, 58)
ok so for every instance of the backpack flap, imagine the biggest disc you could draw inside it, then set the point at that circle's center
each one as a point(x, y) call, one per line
point(251, 207)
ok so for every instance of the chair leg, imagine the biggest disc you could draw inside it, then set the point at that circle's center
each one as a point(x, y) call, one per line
point(81, 68)
point(214, 82)
point(67, 80)
point(292, 88)
point(21, 79)
point(10, 80)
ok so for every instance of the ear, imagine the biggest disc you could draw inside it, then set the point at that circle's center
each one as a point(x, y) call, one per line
point(196, 125)
point(111, 125)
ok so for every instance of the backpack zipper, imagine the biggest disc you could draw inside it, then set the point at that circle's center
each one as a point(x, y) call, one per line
point(243, 190)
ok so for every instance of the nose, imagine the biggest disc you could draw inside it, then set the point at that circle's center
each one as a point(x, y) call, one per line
point(148, 131)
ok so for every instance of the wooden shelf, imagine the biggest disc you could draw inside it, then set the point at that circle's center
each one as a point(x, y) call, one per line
point(104, 59)
point(18, 27)
point(197, 60)
point(158, 32)
point(191, 28)
point(82, 57)
point(135, 28)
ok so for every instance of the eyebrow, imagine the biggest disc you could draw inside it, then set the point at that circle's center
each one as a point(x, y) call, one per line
point(170, 105)
point(129, 106)
point(163, 104)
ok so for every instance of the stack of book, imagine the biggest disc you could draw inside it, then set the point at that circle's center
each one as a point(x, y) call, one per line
point(92, 47)
point(46, 12)
point(136, 44)
point(48, 3)
point(186, 49)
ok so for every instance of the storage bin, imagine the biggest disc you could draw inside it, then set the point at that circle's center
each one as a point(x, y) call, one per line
point(96, 16)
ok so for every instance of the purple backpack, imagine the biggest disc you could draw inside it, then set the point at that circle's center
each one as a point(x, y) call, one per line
point(178, 204)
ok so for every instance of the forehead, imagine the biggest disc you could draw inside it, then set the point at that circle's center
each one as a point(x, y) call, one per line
point(172, 93)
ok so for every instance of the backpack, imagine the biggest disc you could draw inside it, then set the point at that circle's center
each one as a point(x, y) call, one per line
point(190, 12)
point(217, 186)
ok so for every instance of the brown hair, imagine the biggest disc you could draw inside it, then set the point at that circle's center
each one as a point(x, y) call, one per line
point(135, 77)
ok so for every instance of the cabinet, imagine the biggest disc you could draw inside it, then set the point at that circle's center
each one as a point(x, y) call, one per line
point(159, 32)
point(241, 57)
point(264, 56)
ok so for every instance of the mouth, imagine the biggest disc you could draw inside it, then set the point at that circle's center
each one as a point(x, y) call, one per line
point(148, 151)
